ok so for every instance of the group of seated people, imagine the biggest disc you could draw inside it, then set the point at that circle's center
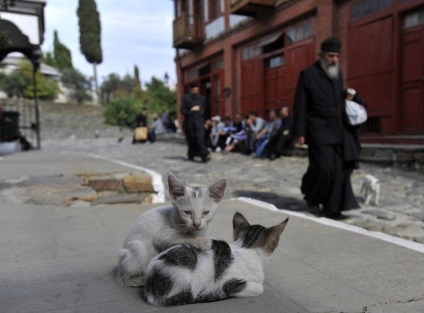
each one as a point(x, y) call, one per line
point(252, 135)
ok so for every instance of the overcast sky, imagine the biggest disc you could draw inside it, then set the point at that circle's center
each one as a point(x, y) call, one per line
point(134, 32)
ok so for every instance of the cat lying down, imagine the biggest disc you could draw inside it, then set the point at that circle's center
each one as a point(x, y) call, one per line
point(183, 274)
point(185, 222)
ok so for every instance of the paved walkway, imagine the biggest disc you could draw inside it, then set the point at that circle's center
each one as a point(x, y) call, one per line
point(401, 210)
point(60, 259)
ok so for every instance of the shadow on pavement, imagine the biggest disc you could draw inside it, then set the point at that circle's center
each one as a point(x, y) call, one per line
point(286, 203)
point(177, 157)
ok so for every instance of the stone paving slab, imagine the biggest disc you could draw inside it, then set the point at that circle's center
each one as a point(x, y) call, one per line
point(60, 259)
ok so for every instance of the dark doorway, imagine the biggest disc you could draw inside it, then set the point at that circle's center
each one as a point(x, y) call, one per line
point(205, 90)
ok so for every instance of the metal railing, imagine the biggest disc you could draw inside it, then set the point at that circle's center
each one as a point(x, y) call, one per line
point(22, 115)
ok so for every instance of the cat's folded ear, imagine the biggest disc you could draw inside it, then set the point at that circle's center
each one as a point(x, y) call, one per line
point(176, 187)
point(273, 235)
point(216, 191)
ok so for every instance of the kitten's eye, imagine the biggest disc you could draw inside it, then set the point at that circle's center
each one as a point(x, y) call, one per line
point(205, 212)
point(187, 212)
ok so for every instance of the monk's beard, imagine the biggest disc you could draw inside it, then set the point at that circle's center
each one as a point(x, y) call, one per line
point(331, 68)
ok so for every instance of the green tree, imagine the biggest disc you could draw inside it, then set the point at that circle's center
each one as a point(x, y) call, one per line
point(124, 106)
point(90, 31)
point(20, 83)
point(46, 89)
point(62, 55)
point(122, 112)
point(126, 87)
point(79, 84)
point(158, 97)
point(109, 87)
point(5, 40)
point(116, 87)
point(48, 59)
point(137, 86)
point(15, 84)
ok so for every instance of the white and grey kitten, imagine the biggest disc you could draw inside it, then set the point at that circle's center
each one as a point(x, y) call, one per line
point(371, 189)
point(185, 222)
point(183, 274)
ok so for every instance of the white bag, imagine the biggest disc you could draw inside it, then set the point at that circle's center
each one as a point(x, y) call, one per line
point(356, 113)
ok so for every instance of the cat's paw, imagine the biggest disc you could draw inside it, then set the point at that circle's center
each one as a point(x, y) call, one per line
point(202, 244)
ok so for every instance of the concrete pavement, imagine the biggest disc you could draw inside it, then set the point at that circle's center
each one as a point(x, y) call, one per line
point(60, 259)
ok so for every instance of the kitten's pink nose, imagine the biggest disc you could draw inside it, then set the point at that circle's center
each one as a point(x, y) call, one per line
point(196, 225)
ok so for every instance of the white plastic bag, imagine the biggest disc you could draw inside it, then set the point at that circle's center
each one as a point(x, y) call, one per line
point(356, 113)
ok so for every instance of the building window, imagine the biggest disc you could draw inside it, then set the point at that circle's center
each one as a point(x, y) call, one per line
point(370, 6)
point(193, 74)
point(362, 8)
point(414, 19)
point(273, 43)
point(276, 61)
point(299, 32)
point(307, 30)
point(218, 64)
point(251, 52)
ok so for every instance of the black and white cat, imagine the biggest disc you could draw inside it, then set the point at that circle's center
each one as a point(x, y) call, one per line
point(183, 274)
point(185, 222)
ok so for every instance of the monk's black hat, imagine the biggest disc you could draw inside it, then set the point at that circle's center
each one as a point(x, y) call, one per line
point(331, 44)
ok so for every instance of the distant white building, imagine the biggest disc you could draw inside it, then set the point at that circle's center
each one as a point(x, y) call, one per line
point(12, 61)
point(11, 64)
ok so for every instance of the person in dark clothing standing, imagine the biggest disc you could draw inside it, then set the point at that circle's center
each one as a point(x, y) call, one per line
point(320, 121)
point(193, 107)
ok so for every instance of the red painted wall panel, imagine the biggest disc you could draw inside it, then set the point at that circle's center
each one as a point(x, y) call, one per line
point(371, 66)
point(252, 86)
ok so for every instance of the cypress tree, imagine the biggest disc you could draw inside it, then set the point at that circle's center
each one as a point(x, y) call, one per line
point(90, 31)
point(49, 59)
point(137, 87)
point(62, 55)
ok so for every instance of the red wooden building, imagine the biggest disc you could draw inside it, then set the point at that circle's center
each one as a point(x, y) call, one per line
point(247, 55)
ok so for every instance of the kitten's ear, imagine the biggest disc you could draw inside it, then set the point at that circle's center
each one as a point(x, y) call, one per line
point(176, 188)
point(273, 236)
point(238, 222)
point(216, 191)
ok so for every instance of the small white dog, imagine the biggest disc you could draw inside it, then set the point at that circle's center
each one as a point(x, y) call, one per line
point(371, 188)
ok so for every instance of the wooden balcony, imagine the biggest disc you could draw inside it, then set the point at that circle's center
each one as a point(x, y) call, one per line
point(251, 7)
point(188, 32)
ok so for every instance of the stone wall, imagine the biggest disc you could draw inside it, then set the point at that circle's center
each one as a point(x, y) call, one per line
point(404, 156)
